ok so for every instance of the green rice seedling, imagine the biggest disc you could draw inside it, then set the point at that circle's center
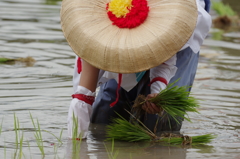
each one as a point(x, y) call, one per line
point(18, 138)
point(76, 135)
point(21, 147)
point(173, 100)
point(223, 9)
point(111, 154)
point(121, 129)
point(38, 136)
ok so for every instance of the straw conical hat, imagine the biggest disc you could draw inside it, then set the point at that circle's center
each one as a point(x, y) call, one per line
point(93, 36)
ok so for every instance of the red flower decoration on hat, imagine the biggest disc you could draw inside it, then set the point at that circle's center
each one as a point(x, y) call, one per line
point(127, 13)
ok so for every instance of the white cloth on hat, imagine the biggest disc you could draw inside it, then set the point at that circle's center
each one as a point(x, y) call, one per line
point(82, 111)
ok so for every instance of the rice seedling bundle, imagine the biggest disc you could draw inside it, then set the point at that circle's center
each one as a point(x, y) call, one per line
point(123, 130)
point(176, 102)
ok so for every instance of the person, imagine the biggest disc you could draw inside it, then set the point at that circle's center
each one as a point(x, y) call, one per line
point(119, 90)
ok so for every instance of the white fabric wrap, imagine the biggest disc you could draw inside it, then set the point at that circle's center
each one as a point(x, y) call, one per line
point(82, 111)
point(203, 26)
point(166, 70)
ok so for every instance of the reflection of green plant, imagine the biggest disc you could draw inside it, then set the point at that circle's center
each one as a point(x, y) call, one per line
point(111, 154)
point(52, 2)
point(195, 140)
point(217, 35)
point(222, 9)
point(76, 138)
point(1, 127)
point(204, 148)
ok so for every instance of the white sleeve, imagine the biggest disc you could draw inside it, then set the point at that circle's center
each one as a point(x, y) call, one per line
point(203, 26)
point(166, 70)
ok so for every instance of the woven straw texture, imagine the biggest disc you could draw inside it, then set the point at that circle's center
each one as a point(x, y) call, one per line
point(91, 35)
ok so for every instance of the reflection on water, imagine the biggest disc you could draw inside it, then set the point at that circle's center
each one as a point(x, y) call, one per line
point(32, 28)
point(52, 2)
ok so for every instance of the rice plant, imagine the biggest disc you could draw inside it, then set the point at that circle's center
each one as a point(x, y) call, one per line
point(175, 101)
point(18, 139)
point(122, 129)
point(38, 135)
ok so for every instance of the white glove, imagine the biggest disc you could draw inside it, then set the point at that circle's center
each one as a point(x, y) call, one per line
point(82, 112)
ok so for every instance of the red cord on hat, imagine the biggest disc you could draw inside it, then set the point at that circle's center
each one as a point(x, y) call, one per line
point(85, 98)
point(79, 65)
point(160, 79)
point(117, 91)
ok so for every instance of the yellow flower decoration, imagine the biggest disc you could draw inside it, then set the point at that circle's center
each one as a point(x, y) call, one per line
point(120, 7)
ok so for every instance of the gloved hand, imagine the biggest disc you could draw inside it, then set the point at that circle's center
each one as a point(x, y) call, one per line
point(82, 110)
point(150, 107)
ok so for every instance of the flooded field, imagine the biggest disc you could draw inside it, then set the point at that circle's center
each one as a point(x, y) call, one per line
point(43, 89)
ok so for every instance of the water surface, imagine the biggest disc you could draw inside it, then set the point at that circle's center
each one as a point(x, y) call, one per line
point(32, 28)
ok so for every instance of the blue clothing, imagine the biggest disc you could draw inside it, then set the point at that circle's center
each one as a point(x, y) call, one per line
point(187, 62)
point(207, 5)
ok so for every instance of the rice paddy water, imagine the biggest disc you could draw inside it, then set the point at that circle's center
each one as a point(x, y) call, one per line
point(34, 98)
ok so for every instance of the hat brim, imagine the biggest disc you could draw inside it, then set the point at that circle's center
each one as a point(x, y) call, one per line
point(91, 35)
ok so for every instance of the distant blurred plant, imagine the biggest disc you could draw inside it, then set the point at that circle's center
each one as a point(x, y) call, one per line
point(227, 19)
point(223, 9)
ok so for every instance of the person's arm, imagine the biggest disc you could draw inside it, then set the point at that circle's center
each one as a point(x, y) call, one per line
point(86, 76)
point(159, 79)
